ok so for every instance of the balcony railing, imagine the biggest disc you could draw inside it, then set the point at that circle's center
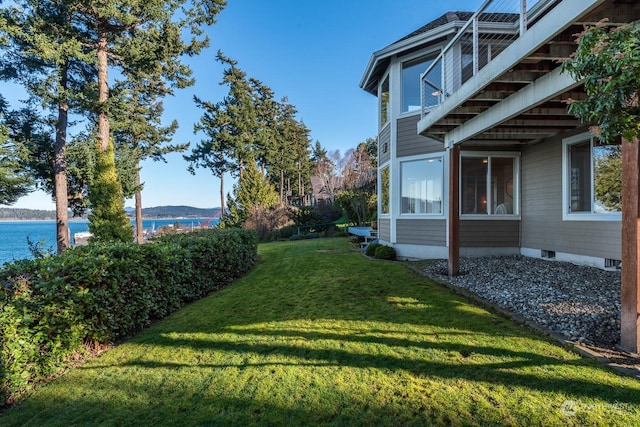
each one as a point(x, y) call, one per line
point(481, 39)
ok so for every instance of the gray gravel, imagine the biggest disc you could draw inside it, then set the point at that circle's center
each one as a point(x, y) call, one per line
point(581, 303)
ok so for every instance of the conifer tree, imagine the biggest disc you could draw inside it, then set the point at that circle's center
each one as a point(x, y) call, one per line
point(230, 127)
point(107, 221)
point(145, 40)
point(140, 135)
point(252, 193)
point(14, 183)
point(44, 53)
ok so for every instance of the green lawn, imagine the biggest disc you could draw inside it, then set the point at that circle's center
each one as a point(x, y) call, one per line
point(318, 335)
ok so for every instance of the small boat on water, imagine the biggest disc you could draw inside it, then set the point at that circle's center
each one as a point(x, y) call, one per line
point(81, 238)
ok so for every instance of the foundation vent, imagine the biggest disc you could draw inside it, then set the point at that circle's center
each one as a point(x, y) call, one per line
point(547, 254)
point(612, 263)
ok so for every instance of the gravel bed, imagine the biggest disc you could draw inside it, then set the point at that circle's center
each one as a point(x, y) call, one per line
point(580, 303)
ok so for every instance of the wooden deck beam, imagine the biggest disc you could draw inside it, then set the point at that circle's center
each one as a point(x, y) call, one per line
point(630, 298)
point(454, 210)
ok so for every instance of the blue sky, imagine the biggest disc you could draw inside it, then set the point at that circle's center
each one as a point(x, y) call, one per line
point(313, 52)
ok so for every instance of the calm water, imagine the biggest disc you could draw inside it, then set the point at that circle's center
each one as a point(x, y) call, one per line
point(13, 234)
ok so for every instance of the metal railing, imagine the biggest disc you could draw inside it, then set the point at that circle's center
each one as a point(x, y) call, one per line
point(481, 39)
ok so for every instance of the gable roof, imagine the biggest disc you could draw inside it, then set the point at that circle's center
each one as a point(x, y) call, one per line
point(433, 30)
point(438, 22)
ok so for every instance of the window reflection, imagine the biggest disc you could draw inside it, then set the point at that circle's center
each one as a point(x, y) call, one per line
point(384, 188)
point(422, 183)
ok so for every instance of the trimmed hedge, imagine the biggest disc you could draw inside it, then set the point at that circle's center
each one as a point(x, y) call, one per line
point(371, 249)
point(385, 252)
point(52, 308)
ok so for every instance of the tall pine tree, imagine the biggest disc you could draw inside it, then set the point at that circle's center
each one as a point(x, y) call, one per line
point(46, 54)
point(140, 135)
point(14, 183)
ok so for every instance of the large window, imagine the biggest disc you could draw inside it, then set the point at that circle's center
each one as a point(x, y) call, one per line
point(385, 110)
point(488, 185)
point(411, 71)
point(422, 186)
point(593, 176)
point(384, 191)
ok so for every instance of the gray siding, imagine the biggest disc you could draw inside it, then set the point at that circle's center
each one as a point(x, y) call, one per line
point(430, 232)
point(542, 224)
point(384, 138)
point(489, 234)
point(410, 143)
point(384, 229)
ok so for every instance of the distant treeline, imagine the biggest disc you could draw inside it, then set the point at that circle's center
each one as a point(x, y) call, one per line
point(157, 212)
point(26, 214)
point(177, 212)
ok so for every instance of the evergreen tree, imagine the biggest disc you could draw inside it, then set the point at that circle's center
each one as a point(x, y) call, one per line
point(290, 155)
point(146, 41)
point(230, 127)
point(253, 193)
point(107, 221)
point(61, 40)
point(248, 125)
point(14, 183)
point(139, 135)
point(45, 53)
point(318, 154)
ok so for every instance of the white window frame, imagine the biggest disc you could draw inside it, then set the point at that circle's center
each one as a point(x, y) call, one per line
point(425, 215)
point(386, 76)
point(516, 185)
point(566, 191)
point(380, 213)
point(410, 58)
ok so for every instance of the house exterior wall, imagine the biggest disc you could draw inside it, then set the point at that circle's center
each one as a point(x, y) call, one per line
point(543, 227)
point(384, 229)
point(431, 232)
point(410, 143)
point(489, 233)
point(538, 225)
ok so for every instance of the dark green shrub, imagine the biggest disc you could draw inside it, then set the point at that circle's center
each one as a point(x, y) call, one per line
point(312, 235)
point(385, 252)
point(100, 293)
point(287, 232)
point(371, 249)
point(297, 236)
point(331, 231)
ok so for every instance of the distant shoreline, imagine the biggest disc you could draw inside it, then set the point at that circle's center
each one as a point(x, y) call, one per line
point(144, 218)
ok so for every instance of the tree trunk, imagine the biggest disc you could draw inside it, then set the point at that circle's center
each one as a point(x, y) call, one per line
point(138, 198)
point(103, 92)
point(222, 212)
point(281, 186)
point(60, 172)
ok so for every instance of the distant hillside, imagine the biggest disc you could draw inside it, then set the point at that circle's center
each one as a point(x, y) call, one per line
point(26, 214)
point(177, 212)
point(14, 214)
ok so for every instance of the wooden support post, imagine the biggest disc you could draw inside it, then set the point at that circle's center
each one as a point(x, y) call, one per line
point(630, 301)
point(454, 210)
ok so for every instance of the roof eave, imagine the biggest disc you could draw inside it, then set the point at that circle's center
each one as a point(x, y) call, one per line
point(402, 45)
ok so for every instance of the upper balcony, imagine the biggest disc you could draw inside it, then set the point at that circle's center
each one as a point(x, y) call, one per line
point(498, 80)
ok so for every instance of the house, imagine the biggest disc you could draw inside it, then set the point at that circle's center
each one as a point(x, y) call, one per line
point(477, 150)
